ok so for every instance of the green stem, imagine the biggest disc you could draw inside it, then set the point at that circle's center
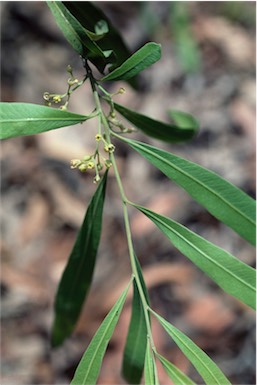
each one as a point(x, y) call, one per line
point(125, 202)
point(131, 250)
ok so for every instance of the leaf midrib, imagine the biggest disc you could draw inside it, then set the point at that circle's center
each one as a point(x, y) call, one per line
point(202, 253)
point(172, 371)
point(196, 181)
point(140, 327)
point(213, 375)
point(40, 119)
point(101, 339)
point(172, 330)
point(135, 66)
point(87, 240)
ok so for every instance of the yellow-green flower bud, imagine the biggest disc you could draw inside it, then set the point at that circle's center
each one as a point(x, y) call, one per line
point(99, 166)
point(122, 90)
point(71, 81)
point(87, 157)
point(69, 69)
point(108, 163)
point(97, 179)
point(83, 167)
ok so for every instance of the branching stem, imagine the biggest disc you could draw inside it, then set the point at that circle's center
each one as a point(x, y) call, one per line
point(125, 203)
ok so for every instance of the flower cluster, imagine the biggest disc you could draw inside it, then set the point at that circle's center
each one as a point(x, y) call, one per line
point(73, 84)
point(95, 161)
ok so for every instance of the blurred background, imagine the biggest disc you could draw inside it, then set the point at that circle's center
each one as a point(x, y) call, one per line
point(207, 69)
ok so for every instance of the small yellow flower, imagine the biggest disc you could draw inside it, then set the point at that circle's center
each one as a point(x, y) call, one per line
point(90, 165)
point(109, 148)
point(98, 137)
point(74, 163)
point(57, 98)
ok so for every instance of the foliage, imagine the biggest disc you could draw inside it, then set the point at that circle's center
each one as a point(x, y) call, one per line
point(93, 37)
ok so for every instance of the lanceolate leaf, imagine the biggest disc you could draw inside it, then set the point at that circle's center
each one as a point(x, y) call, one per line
point(222, 199)
point(77, 277)
point(88, 369)
point(80, 38)
point(175, 373)
point(18, 119)
point(209, 371)
point(150, 371)
point(160, 130)
point(143, 58)
point(142, 281)
point(89, 15)
point(232, 275)
point(134, 352)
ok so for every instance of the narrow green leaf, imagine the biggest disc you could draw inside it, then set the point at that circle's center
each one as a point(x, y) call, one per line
point(142, 281)
point(150, 371)
point(134, 352)
point(88, 369)
point(89, 15)
point(18, 119)
point(78, 274)
point(209, 371)
point(156, 129)
point(222, 199)
point(80, 38)
point(141, 59)
point(232, 275)
point(174, 373)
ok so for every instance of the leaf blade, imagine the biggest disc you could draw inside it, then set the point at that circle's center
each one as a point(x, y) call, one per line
point(150, 370)
point(149, 54)
point(155, 128)
point(78, 274)
point(222, 199)
point(209, 371)
point(135, 347)
point(174, 373)
point(88, 369)
point(88, 14)
point(18, 119)
point(232, 275)
point(81, 39)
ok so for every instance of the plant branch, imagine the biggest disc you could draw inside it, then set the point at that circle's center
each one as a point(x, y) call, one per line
point(125, 201)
